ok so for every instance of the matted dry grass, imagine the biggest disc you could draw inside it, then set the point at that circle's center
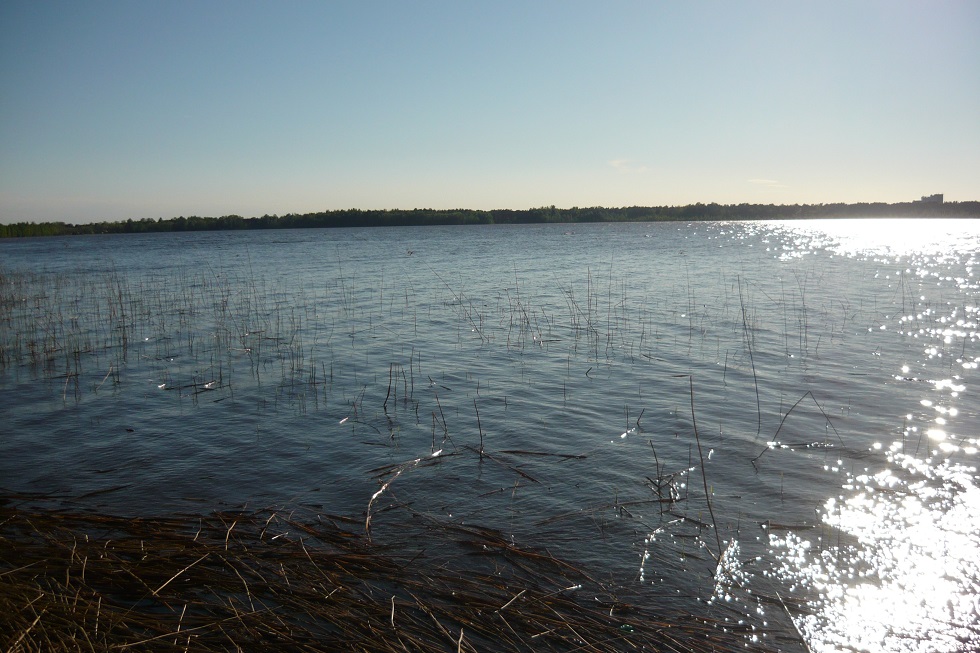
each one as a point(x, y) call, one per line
point(269, 580)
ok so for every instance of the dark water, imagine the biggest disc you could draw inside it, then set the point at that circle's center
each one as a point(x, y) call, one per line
point(816, 378)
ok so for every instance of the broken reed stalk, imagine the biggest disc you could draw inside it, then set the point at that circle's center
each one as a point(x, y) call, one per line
point(479, 426)
point(390, 367)
point(783, 421)
point(367, 520)
point(748, 343)
point(704, 477)
point(445, 426)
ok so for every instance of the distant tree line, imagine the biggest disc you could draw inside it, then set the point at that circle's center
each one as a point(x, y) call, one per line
point(423, 217)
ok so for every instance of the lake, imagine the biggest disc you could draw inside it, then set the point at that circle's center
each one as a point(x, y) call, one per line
point(774, 423)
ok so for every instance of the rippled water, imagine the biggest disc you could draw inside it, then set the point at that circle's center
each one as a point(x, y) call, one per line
point(772, 423)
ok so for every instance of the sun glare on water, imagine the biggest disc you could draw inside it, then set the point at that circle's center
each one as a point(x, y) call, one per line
point(908, 576)
point(888, 236)
point(895, 566)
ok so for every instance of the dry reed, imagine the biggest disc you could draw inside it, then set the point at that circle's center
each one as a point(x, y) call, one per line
point(275, 580)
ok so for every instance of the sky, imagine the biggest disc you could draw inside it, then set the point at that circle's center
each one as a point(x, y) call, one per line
point(111, 110)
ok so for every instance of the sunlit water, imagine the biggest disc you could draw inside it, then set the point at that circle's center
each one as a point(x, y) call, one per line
point(816, 378)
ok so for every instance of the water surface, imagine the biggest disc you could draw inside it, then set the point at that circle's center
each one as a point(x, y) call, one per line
point(773, 423)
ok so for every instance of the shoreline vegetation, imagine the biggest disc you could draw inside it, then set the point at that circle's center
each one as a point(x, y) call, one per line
point(272, 580)
point(549, 214)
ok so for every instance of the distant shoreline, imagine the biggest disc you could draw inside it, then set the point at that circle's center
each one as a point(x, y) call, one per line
point(430, 217)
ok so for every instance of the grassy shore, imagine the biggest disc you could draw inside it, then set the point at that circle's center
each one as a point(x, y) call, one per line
point(74, 580)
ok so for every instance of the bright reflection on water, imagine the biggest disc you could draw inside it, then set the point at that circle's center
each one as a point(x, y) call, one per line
point(896, 563)
point(910, 579)
point(896, 237)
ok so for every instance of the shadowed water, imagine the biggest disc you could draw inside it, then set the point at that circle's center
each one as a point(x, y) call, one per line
point(772, 423)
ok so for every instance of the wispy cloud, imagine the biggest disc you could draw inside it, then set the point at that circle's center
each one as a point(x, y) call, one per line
point(628, 166)
point(767, 183)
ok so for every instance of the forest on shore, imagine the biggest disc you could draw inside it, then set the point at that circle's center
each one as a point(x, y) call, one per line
point(550, 214)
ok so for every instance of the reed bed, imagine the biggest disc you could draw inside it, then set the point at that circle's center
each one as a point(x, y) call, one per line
point(274, 580)
point(378, 358)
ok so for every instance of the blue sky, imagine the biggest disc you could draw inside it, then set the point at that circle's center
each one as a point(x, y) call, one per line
point(146, 109)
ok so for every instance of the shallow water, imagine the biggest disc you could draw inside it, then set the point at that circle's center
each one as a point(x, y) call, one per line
point(796, 395)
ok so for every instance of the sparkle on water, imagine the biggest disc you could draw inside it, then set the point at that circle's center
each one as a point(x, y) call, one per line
point(896, 566)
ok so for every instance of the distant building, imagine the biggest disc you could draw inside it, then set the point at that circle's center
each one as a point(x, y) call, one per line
point(931, 199)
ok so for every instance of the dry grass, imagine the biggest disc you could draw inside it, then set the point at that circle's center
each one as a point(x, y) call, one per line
point(267, 580)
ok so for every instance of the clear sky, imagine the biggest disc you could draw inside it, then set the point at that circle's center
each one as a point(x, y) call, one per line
point(159, 108)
